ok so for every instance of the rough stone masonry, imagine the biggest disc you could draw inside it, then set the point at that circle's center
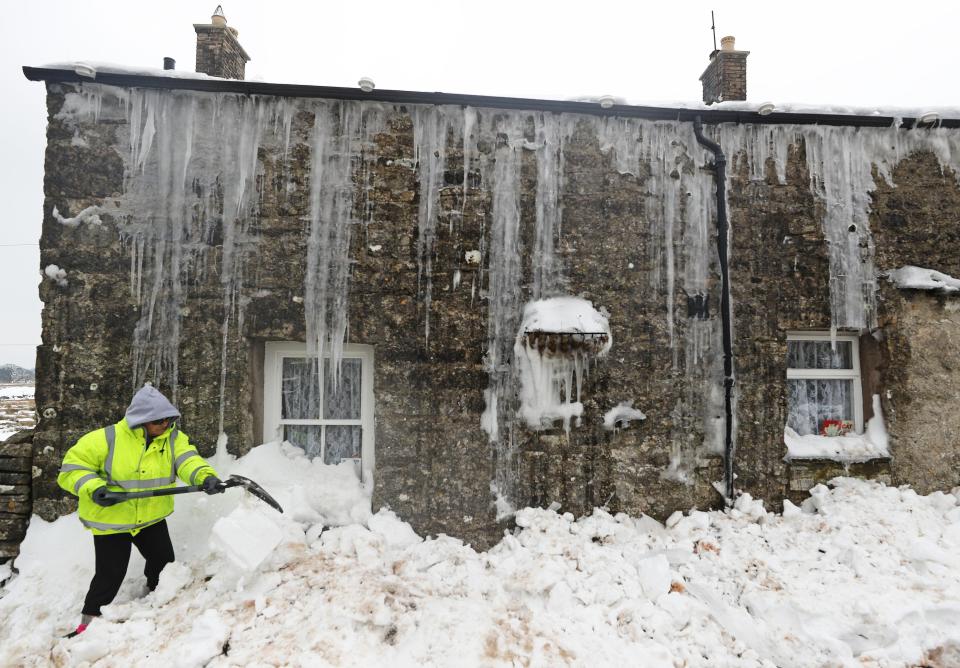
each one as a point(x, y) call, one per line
point(632, 232)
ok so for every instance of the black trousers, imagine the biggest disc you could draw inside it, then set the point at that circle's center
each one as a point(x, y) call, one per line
point(113, 556)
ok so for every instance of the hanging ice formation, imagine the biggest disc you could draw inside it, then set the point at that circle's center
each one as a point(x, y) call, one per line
point(190, 177)
point(341, 133)
point(191, 184)
point(547, 272)
point(840, 161)
point(555, 342)
point(430, 128)
point(504, 266)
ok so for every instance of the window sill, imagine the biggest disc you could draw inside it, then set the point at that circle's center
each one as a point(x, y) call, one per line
point(852, 449)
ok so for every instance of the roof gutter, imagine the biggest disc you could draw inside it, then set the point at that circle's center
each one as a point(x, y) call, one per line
point(709, 116)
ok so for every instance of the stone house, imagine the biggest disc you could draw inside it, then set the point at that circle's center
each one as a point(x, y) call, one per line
point(764, 276)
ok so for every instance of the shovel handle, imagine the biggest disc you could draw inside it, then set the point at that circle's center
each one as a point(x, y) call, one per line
point(147, 493)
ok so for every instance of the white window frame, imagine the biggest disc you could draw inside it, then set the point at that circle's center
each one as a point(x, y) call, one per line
point(834, 374)
point(273, 422)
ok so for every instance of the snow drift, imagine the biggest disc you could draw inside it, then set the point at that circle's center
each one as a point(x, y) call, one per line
point(862, 575)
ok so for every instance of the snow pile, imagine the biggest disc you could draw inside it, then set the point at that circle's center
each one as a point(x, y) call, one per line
point(620, 416)
point(863, 575)
point(871, 444)
point(918, 278)
point(550, 376)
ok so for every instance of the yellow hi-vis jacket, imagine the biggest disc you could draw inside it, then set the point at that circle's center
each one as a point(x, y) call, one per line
point(118, 457)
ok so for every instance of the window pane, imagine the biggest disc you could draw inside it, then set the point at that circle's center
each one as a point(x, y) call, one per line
point(306, 437)
point(811, 401)
point(341, 400)
point(301, 391)
point(819, 355)
point(343, 441)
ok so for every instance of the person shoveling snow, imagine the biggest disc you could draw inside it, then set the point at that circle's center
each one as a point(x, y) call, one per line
point(124, 475)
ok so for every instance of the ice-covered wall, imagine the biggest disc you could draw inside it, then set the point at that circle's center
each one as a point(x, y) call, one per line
point(842, 163)
point(423, 231)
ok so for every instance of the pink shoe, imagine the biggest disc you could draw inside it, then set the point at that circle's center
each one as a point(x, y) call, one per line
point(80, 629)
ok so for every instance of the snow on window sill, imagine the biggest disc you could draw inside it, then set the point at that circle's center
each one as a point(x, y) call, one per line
point(850, 449)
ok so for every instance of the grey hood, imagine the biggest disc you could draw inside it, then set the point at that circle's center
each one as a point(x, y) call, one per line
point(149, 404)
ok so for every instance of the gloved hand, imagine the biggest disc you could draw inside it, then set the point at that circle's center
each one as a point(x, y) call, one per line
point(100, 498)
point(212, 485)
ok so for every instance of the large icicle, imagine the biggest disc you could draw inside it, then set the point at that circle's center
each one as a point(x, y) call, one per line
point(341, 130)
point(430, 128)
point(246, 126)
point(840, 161)
point(662, 149)
point(503, 297)
point(841, 174)
point(547, 272)
point(191, 171)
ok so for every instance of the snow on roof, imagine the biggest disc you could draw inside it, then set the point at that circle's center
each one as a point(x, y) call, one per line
point(92, 68)
point(781, 107)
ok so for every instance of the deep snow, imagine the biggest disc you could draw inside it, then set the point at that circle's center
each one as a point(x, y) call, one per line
point(863, 575)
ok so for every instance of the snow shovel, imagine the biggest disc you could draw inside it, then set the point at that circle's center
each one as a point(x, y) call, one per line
point(232, 481)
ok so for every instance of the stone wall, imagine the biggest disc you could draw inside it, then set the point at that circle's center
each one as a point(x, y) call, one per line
point(15, 500)
point(434, 462)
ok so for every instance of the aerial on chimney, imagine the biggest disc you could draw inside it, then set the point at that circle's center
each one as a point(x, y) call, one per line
point(219, 53)
point(725, 78)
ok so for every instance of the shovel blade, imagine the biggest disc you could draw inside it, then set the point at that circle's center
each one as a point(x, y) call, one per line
point(253, 488)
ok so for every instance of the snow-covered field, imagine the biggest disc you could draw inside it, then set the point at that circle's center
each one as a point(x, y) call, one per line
point(862, 575)
point(16, 409)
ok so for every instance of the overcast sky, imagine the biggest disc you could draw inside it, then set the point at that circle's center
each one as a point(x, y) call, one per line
point(863, 54)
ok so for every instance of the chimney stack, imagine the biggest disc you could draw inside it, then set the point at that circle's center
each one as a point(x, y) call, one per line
point(219, 54)
point(725, 78)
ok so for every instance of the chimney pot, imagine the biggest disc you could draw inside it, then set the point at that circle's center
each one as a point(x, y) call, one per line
point(169, 63)
point(727, 43)
point(218, 19)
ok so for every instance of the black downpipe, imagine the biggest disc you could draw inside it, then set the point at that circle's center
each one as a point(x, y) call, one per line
point(726, 319)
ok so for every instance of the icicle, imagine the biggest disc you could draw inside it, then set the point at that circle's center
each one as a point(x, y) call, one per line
point(663, 148)
point(840, 161)
point(503, 295)
point(469, 122)
point(341, 130)
point(546, 271)
point(430, 128)
point(181, 149)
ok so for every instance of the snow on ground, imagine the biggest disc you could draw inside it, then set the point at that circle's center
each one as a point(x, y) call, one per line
point(17, 410)
point(16, 392)
point(862, 575)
